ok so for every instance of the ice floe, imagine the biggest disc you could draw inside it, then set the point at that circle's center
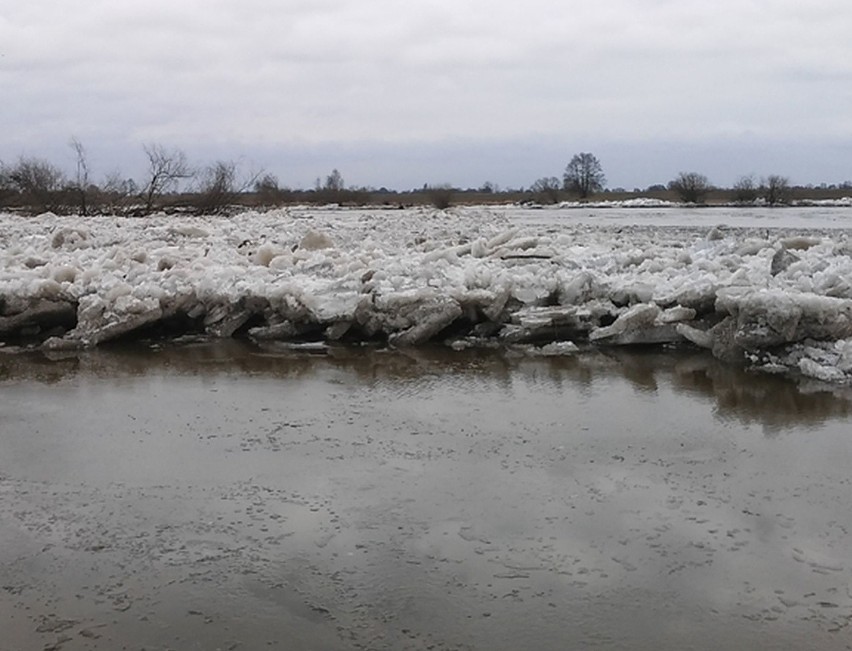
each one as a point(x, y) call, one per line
point(776, 298)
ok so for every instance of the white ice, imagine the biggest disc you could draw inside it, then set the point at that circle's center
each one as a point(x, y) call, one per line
point(750, 283)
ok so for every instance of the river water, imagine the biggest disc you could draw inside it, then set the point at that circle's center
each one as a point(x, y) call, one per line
point(224, 496)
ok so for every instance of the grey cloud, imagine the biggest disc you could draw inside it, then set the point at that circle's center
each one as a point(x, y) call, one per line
point(333, 73)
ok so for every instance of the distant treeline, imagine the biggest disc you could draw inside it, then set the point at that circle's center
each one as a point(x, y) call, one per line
point(171, 184)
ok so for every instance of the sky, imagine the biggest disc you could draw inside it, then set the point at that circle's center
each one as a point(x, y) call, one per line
point(399, 94)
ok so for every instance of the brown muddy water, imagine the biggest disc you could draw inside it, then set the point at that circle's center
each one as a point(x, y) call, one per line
point(219, 496)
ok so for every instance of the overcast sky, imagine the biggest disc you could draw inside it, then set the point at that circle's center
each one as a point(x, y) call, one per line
point(463, 91)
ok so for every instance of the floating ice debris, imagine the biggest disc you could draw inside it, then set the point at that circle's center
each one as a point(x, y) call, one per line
point(778, 299)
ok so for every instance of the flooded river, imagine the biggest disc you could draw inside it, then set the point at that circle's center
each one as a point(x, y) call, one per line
point(222, 496)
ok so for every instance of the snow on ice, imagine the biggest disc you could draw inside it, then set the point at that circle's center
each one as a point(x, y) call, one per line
point(776, 297)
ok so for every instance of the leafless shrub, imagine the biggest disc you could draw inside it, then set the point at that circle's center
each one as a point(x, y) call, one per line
point(776, 190)
point(38, 184)
point(546, 189)
point(691, 187)
point(440, 196)
point(118, 194)
point(220, 187)
point(269, 193)
point(745, 190)
point(7, 189)
point(165, 170)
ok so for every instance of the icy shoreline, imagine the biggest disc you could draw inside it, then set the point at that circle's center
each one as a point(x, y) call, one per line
point(776, 299)
point(645, 202)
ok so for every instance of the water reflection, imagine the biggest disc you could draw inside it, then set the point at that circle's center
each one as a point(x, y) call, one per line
point(421, 499)
point(775, 403)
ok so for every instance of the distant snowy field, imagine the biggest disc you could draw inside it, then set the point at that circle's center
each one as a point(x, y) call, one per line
point(768, 287)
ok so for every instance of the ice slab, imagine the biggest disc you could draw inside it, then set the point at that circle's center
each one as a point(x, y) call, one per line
point(469, 274)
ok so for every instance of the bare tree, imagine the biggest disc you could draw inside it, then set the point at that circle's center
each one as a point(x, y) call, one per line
point(7, 189)
point(745, 190)
point(118, 192)
point(165, 170)
point(268, 191)
point(546, 189)
point(691, 187)
point(334, 190)
point(776, 189)
point(38, 183)
point(116, 183)
point(81, 175)
point(221, 185)
point(334, 181)
point(584, 175)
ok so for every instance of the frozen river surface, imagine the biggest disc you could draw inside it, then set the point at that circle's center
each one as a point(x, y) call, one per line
point(809, 217)
point(767, 288)
point(235, 497)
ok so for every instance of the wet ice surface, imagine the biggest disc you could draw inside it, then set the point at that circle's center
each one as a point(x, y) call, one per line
point(227, 496)
point(763, 287)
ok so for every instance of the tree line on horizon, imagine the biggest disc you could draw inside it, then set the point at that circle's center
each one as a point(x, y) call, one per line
point(584, 177)
point(170, 182)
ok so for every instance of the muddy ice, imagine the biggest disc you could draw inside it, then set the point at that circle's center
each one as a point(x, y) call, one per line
point(233, 497)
